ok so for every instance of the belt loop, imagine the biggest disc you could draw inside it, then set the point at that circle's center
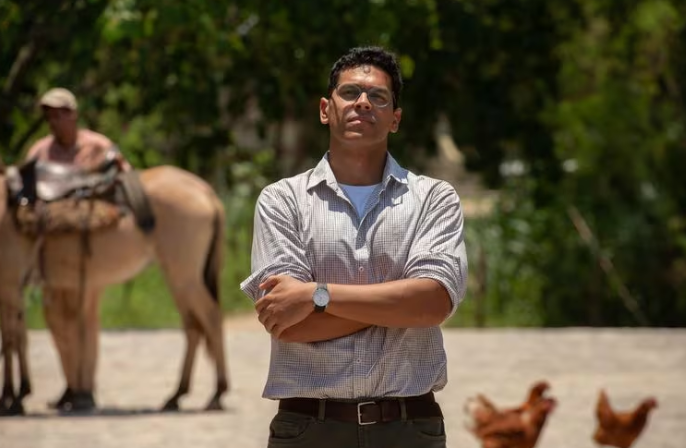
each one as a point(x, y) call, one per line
point(403, 409)
point(322, 410)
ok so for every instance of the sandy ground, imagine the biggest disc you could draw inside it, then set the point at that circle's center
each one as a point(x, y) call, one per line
point(139, 369)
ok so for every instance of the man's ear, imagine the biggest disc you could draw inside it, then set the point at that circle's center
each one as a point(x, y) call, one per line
point(324, 111)
point(397, 116)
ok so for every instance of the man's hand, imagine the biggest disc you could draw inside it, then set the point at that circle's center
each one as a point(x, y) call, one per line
point(288, 301)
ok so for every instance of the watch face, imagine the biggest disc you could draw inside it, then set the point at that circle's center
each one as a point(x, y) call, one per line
point(321, 297)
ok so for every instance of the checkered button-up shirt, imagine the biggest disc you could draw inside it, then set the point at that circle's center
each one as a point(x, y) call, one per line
point(411, 227)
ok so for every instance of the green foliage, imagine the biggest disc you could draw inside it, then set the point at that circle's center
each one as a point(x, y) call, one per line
point(512, 292)
point(616, 123)
point(619, 119)
point(589, 96)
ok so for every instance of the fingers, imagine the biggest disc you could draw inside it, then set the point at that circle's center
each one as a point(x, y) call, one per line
point(265, 315)
point(277, 308)
point(262, 317)
point(269, 323)
point(270, 282)
point(266, 286)
point(266, 320)
point(260, 305)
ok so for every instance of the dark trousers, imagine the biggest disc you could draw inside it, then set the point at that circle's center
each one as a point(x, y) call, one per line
point(291, 429)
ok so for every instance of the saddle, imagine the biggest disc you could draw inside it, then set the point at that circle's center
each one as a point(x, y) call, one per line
point(51, 198)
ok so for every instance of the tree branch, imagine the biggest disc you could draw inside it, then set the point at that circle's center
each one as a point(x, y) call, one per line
point(606, 265)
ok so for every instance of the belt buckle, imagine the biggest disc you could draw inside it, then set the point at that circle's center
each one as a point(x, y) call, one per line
point(359, 413)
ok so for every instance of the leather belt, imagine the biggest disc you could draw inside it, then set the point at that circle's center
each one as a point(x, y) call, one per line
point(368, 412)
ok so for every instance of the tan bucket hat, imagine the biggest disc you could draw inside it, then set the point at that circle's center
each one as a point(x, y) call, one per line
point(58, 98)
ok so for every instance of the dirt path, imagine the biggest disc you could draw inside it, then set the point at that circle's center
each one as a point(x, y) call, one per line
point(139, 368)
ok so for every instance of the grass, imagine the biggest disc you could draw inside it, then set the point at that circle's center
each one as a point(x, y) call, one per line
point(144, 302)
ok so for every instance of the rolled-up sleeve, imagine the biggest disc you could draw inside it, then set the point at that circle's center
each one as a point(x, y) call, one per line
point(438, 250)
point(277, 245)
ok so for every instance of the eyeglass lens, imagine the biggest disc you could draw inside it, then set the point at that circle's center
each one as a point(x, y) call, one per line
point(378, 96)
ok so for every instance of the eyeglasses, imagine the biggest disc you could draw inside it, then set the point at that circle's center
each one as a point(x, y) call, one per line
point(378, 96)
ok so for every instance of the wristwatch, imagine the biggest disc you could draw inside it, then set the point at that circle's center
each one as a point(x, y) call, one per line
point(320, 297)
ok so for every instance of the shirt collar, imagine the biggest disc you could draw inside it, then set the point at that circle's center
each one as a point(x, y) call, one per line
point(323, 173)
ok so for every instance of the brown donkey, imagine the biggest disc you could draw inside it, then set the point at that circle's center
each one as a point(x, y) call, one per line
point(186, 242)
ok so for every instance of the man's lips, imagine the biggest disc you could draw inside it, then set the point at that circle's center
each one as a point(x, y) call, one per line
point(361, 118)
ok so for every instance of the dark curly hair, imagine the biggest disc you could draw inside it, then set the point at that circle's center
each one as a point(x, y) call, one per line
point(374, 56)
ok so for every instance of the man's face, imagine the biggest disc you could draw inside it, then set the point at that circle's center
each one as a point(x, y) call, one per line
point(362, 119)
point(61, 121)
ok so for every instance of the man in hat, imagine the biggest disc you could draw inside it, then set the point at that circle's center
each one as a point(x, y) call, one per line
point(68, 143)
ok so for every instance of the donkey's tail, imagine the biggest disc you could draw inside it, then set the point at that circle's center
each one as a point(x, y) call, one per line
point(215, 254)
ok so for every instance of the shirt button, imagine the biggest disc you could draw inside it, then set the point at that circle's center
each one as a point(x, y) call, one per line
point(361, 269)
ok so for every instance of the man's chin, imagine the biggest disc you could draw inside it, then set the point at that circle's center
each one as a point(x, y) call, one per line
point(354, 135)
point(359, 140)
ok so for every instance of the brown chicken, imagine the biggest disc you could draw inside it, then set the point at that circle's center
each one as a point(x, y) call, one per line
point(481, 410)
point(620, 429)
point(517, 427)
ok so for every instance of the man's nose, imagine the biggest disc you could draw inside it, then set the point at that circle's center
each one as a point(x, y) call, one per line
point(363, 102)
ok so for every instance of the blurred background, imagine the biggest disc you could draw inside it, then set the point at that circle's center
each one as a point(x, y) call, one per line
point(561, 124)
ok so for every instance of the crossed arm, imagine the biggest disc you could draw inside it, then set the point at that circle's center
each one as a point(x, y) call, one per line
point(287, 310)
point(320, 327)
point(421, 299)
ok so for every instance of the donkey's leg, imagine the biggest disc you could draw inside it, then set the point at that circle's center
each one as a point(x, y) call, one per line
point(207, 315)
point(7, 397)
point(10, 309)
point(206, 307)
point(193, 333)
point(22, 347)
point(61, 308)
point(201, 317)
point(188, 245)
point(214, 334)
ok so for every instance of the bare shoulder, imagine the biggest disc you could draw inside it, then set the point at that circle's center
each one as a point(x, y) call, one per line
point(40, 146)
point(86, 136)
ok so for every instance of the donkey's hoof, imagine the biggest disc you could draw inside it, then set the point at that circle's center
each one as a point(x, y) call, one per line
point(15, 408)
point(214, 405)
point(25, 389)
point(171, 406)
point(5, 404)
